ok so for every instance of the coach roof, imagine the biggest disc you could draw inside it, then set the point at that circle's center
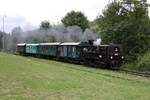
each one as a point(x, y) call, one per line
point(32, 44)
point(71, 43)
point(55, 43)
point(21, 44)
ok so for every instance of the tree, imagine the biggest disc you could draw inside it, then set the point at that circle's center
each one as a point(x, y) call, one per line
point(76, 18)
point(16, 30)
point(126, 22)
point(15, 38)
point(45, 25)
point(1, 40)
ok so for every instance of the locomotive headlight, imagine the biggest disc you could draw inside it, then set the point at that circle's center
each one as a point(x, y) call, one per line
point(111, 57)
point(116, 49)
point(116, 54)
point(100, 56)
point(122, 57)
point(84, 49)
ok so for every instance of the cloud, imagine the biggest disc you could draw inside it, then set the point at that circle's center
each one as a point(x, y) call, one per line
point(54, 10)
point(35, 11)
point(14, 21)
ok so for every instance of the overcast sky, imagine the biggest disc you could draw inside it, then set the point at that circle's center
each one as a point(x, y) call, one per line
point(29, 13)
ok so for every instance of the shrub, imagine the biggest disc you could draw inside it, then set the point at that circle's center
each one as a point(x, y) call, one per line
point(144, 62)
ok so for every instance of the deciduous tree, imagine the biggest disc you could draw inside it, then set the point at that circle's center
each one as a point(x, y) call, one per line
point(45, 25)
point(126, 22)
point(76, 18)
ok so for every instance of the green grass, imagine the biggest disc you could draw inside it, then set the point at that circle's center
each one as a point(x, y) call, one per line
point(25, 78)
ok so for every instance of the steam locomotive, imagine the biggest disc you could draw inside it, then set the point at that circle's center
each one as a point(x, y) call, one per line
point(91, 52)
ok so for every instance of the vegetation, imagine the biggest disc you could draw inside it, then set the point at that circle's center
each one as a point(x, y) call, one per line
point(144, 62)
point(24, 78)
point(45, 25)
point(1, 42)
point(125, 22)
point(15, 38)
point(76, 18)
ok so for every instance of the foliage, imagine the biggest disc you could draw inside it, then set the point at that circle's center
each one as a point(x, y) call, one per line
point(1, 40)
point(4, 38)
point(130, 66)
point(94, 26)
point(14, 38)
point(24, 78)
point(143, 62)
point(45, 25)
point(76, 18)
point(126, 22)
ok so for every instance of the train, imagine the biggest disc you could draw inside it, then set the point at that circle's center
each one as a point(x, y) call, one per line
point(90, 52)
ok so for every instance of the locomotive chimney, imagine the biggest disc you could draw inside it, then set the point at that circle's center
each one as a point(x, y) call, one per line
point(91, 42)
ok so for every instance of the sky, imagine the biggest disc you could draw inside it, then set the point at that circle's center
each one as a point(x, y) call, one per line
point(29, 13)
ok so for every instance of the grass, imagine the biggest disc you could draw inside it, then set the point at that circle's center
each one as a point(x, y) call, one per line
point(26, 78)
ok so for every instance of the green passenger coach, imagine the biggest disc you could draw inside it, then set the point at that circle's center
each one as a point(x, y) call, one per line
point(48, 49)
point(32, 48)
point(70, 50)
point(21, 48)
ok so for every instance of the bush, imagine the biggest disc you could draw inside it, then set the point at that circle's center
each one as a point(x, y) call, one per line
point(129, 66)
point(144, 62)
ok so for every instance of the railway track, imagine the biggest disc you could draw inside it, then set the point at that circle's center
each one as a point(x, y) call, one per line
point(143, 74)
